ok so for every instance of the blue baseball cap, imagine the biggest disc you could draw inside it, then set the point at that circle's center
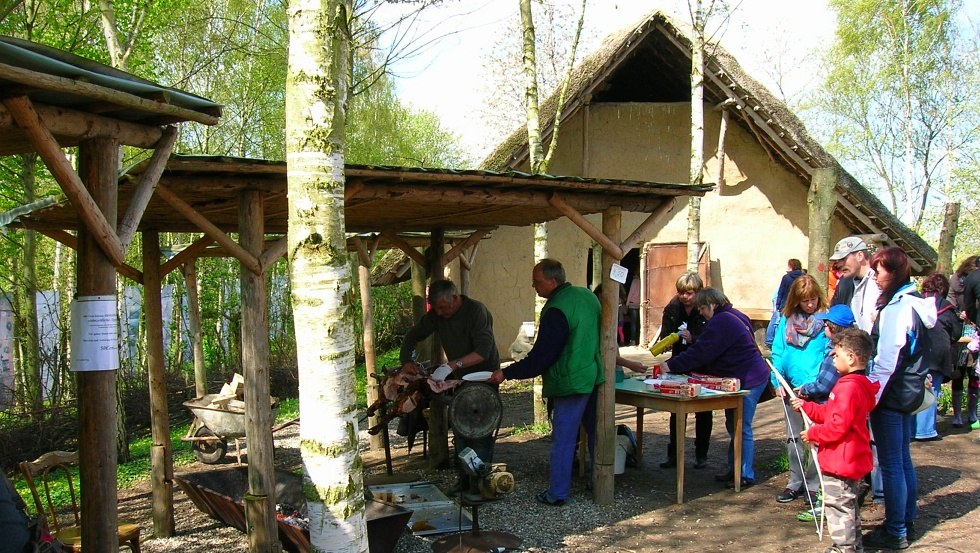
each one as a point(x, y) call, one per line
point(839, 314)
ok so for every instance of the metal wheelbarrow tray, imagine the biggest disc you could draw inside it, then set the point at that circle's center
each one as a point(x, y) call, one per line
point(219, 493)
point(214, 426)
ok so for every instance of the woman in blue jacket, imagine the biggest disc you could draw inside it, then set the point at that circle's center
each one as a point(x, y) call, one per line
point(798, 348)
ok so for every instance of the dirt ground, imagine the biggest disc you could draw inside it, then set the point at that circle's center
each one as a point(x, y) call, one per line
point(644, 516)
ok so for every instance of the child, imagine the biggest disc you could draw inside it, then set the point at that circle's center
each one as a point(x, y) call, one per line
point(840, 433)
point(835, 319)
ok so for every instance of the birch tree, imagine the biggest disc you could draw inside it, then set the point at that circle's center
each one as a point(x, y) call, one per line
point(317, 85)
point(537, 158)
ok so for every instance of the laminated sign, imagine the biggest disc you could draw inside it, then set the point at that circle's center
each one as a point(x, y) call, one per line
point(94, 334)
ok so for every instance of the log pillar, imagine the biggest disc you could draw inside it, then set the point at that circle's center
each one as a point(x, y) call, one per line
point(260, 501)
point(821, 202)
point(161, 452)
point(438, 412)
point(98, 161)
point(370, 359)
point(605, 448)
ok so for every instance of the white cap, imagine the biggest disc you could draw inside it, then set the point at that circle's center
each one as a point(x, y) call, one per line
point(848, 246)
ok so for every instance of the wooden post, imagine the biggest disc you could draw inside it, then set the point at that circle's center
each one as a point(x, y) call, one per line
point(189, 271)
point(821, 200)
point(419, 280)
point(161, 452)
point(438, 415)
point(951, 221)
point(367, 319)
point(260, 501)
point(605, 447)
point(98, 160)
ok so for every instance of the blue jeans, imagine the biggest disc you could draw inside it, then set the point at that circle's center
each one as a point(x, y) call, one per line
point(749, 404)
point(893, 432)
point(771, 328)
point(925, 421)
point(569, 412)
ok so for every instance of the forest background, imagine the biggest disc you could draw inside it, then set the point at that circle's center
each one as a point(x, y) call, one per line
point(893, 96)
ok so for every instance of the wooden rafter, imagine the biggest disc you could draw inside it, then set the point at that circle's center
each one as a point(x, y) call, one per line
point(248, 260)
point(608, 245)
point(658, 214)
point(459, 248)
point(144, 189)
point(47, 147)
point(405, 247)
point(186, 255)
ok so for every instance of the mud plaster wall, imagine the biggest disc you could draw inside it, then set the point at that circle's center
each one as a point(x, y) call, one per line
point(753, 224)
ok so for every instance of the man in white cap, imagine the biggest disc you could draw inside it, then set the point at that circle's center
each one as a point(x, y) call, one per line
point(856, 265)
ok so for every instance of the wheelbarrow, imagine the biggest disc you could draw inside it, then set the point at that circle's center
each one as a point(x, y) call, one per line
point(214, 425)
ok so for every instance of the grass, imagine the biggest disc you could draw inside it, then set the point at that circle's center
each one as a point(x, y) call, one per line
point(139, 467)
point(537, 429)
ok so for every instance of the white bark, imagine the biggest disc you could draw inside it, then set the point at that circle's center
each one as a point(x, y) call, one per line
point(697, 136)
point(316, 95)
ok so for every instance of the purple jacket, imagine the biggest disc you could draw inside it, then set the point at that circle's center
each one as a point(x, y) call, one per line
point(726, 347)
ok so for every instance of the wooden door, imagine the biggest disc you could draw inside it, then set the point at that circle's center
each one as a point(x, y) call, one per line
point(662, 264)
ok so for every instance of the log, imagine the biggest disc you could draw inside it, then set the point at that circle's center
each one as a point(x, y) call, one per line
point(821, 201)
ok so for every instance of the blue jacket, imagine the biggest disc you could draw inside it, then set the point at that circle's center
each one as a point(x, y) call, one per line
point(725, 348)
point(798, 365)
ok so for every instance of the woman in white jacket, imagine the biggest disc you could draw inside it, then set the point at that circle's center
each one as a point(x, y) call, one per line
point(900, 335)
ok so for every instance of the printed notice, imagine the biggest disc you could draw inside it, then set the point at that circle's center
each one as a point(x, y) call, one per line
point(94, 334)
point(618, 273)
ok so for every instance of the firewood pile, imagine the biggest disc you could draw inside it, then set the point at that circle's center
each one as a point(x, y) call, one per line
point(232, 395)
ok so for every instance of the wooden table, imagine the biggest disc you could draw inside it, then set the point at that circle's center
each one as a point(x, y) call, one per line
point(633, 392)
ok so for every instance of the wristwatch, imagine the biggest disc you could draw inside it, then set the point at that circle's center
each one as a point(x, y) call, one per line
point(458, 363)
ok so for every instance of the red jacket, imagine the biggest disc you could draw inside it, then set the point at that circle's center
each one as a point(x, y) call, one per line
point(840, 429)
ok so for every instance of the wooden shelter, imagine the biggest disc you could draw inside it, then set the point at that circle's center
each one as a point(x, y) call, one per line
point(52, 99)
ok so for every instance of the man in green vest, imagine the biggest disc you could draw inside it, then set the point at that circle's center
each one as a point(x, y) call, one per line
point(566, 354)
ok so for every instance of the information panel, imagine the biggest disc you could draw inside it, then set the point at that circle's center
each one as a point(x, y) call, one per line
point(94, 334)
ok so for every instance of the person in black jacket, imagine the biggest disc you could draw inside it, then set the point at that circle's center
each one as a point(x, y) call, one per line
point(13, 523)
point(681, 311)
point(940, 359)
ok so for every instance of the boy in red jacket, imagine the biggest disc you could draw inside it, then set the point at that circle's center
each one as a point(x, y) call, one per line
point(840, 434)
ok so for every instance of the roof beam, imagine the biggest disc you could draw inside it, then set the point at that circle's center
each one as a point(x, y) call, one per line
point(189, 253)
point(405, 247)
point(64, 85)
point(658, 214)
point(607, 244)
point(47, 147)
point(182, 207)
point(144, 189)
point(459, 248)
point(73, 126)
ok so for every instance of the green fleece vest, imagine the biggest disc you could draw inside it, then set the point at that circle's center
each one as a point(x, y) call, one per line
point(579, 368)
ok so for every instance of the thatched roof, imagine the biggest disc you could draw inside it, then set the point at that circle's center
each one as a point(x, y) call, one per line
point(650, 62)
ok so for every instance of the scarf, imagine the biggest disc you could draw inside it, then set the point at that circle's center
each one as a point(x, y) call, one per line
point(800, 328)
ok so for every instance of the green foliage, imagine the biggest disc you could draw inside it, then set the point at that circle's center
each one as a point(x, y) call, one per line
point(538, 429)
point(898, 108)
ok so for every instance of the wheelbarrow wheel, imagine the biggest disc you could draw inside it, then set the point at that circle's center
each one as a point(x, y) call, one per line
point(211, 451)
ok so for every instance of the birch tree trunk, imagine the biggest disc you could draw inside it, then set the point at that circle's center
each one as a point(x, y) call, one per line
point(697, 136)
point(317, 85)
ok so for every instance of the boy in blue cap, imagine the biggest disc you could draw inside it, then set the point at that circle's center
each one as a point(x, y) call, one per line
point(835, 319)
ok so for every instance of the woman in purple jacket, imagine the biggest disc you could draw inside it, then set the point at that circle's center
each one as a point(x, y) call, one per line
point(727, 348)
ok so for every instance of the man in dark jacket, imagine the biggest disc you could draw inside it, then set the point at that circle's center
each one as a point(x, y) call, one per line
point(567, 356)
point(794, 270)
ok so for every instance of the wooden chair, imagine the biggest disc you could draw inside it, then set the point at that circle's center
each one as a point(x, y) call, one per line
point(44, 470)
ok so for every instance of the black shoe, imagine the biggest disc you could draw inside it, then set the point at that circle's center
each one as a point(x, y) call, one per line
point(548, 499)
point(746, 483)
point(788, 496)
point(669, 463)
point(879, 538)
point(726, 476)
point(700, 462)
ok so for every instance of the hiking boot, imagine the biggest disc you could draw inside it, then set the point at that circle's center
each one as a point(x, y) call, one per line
point(788, 496)
point(879, 538)
point(746, 483)
point(813, 513)
point(669, 463)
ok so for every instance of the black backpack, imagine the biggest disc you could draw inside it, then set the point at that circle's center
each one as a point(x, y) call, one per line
point(906, 387)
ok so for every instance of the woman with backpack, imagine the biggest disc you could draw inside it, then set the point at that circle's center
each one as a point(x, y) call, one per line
point(900, 334)
point(940, 355)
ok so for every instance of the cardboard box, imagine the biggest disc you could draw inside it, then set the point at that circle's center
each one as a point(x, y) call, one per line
point(715, 382)
point(673, 388)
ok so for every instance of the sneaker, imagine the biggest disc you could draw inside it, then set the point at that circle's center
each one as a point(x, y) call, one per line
point(879, 538)
point(975, 425)
point(788, 496)
point(548, 499)
point(669, 463)
point(701, 462)
point(810, 515)
point(746, 483)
